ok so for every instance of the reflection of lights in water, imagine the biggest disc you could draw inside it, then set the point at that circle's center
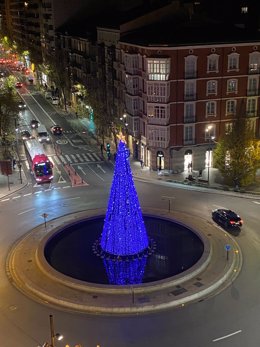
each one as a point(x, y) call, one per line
point(124, 270)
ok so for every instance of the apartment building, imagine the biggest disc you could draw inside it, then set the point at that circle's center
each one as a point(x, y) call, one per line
point(181, 94)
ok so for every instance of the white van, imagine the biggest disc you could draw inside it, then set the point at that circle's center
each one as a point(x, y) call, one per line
point(42, 134)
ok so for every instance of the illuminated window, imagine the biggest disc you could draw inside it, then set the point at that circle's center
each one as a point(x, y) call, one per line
point(244, 9)
point(158, 69)
point(254, 62)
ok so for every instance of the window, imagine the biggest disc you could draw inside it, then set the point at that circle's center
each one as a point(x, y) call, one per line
point(190, 89)
point(131, 62)
point(213, 63)
point(232, 86)
point(252, 86)
point(233, 62)
point(188, 134)
point(211, 108)
point(254, 62)
point(228, 128)
point(157, 92)
point(212, 87)
point(189, 112)
point(231, 106)
point(157, 111)
point(191, 66)
point(158, 69)
point(251, 106)
point(244, 9)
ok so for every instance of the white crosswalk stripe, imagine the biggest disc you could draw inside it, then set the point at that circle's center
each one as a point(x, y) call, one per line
point(76, 158)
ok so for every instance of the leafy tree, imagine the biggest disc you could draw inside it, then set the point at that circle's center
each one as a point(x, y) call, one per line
point(237, 155)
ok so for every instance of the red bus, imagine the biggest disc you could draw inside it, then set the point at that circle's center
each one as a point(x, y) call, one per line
point(40, 165)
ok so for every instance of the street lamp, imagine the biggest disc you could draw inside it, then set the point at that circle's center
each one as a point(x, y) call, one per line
point(211, 139)
point(123, 119)
point(54, 335)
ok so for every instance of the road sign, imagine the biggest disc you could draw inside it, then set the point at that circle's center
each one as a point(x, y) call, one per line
point(44, 215)
point(227, 247)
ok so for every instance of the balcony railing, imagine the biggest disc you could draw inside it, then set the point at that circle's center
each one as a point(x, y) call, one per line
point(253, 71)
point(189, 141)
point(251, 113)
point(252, 92)
point(190, 97)
point(191, 74)
point(189, 119)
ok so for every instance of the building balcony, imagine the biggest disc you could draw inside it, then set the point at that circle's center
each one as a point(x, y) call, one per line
point(189, 119)
point(252, 92)
point(190, 74)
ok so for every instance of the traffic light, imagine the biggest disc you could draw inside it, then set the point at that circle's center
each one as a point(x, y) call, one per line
point(108, 150)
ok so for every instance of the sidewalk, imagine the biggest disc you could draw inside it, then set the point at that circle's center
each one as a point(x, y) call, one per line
point(16, 182)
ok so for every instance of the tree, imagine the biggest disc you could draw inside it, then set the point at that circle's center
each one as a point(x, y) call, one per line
point(237, 155)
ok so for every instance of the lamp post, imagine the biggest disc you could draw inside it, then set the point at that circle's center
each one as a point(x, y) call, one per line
point(54, 335)
point(210, 139)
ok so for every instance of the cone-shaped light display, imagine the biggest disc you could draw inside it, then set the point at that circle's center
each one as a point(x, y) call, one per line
point(124, 231)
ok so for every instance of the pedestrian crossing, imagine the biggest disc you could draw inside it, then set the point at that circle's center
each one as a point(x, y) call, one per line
point(64, 159)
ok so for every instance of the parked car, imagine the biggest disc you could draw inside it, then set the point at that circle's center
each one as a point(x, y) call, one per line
point(55, 100)
point(21, 105)
point(227, 218)
point(18, 84)
point(48, 94)
point(56, 130)
point(34, 124)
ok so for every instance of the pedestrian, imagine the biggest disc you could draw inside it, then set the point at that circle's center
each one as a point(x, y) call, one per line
point(101, 148)
point(141, 163)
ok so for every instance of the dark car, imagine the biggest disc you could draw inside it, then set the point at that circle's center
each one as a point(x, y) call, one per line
point(21, 105)
point(227, 218)
point(34, 124)
point(25, 135)
point(56, 130)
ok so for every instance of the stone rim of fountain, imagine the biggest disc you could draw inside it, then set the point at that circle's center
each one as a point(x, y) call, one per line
point(35, 277)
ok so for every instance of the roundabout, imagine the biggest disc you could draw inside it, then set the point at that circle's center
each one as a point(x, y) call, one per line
point(28, 269)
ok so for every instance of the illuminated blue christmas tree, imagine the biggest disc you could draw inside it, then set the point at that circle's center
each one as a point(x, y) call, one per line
point(124, 232)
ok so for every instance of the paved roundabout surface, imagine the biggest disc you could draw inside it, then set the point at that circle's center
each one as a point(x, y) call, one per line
point(29, 271)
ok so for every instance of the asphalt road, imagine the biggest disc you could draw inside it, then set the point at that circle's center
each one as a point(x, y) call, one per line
point(228, 319)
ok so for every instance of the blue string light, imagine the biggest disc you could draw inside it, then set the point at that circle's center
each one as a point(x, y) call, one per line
point(124, 231)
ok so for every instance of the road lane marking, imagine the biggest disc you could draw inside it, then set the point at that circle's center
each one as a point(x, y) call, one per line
point(5, 199)
point(256, 202)
point(16, 197)
point(226, 336)
point(28, 194)
point(26, 211)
